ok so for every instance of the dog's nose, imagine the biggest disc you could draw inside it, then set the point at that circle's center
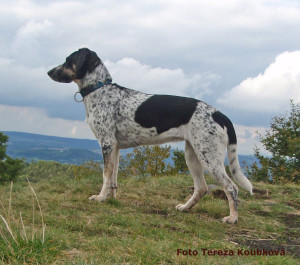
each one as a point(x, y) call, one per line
point(50, 73)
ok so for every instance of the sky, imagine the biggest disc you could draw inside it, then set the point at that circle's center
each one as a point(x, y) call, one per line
point(242, 57)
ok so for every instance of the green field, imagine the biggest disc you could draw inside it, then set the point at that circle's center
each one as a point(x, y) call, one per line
point(142, 225)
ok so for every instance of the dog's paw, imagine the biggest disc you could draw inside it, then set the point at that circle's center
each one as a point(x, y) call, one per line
point(97, 198)
point(230, 220)
point(181, 207)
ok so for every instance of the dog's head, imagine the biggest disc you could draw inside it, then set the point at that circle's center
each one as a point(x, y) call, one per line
point(76, 66)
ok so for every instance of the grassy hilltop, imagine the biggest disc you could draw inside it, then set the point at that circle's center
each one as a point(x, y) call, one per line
point(142, 225)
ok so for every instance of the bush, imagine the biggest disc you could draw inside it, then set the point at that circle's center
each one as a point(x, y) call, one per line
point(180, 166)
point(38, 170)
point(145, 161)
point(87, 169)
point(9, 168)
point(282, 140)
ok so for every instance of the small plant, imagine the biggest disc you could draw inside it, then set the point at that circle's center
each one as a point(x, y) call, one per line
point(21, 243)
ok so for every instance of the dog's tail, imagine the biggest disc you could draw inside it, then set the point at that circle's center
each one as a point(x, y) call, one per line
point(233, 160)
point(235, 169)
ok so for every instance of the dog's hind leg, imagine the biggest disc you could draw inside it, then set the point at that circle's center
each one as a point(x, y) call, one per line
point(211, 154)
point(197, 173)
point(216, 169)
point(231, 190)
point(218, 173)
point(110, 157)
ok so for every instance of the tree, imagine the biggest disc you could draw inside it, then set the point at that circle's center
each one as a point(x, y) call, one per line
point(179, 162)
point(3, 145)
point(145, 160)
point(282, 140)
point(9, 168)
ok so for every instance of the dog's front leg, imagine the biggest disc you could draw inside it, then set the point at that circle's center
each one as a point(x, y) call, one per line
point(111, 159)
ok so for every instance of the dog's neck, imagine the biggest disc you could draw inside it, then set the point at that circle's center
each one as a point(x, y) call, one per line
point(100, 74)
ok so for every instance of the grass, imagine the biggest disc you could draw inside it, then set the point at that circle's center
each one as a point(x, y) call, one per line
point(142, 226)
point(20, 243)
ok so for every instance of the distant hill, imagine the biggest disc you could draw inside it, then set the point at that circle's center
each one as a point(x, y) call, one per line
point(42, 147)
point(64, 150)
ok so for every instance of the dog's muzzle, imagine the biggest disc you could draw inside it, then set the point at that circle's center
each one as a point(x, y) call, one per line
point(58, 74)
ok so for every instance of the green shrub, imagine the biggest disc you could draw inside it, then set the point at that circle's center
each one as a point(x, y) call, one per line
point(145, 160)
point(9, 168)
point(38, 170)
point(282, 140)
point(180, 166)
point(87, 169)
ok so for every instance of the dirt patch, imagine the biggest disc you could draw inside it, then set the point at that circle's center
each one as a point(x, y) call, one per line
point(290, 241)
point(263, 213)
point(290, 246)
point(292, 235)
point(261, 244)
point(287, 190)
point(295, 205)
point(292, 221)
point(261, 194)
point(220, 194)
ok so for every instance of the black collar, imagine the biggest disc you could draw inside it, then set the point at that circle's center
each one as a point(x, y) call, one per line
point(91, 88)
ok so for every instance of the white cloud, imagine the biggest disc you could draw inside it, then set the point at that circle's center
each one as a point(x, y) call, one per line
point(271, 90)
point(187, 30)
point(189, 48)
point(35, 120)
point(20, 84)
point(247, 137)
point(30, 42)
point(131, 73)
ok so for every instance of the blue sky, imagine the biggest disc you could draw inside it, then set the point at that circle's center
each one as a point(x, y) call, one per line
point(242, 57)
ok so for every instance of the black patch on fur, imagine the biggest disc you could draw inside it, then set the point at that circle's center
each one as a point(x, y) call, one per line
point(222, 120)
point(165, 112)
point(106, 151)
point(85, 61)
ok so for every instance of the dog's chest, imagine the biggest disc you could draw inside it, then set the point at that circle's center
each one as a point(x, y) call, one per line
point(128, 132)
point(111, 114)
point(100, 111)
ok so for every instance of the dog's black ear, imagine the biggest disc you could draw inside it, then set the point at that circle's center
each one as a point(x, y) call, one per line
point(86, 61)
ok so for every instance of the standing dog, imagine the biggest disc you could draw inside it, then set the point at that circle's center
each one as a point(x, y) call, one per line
point(122, 118)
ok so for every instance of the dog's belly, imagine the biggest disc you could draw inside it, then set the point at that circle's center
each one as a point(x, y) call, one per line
point(135, 136)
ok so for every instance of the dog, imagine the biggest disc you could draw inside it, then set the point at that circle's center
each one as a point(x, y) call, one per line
point(122, 118)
